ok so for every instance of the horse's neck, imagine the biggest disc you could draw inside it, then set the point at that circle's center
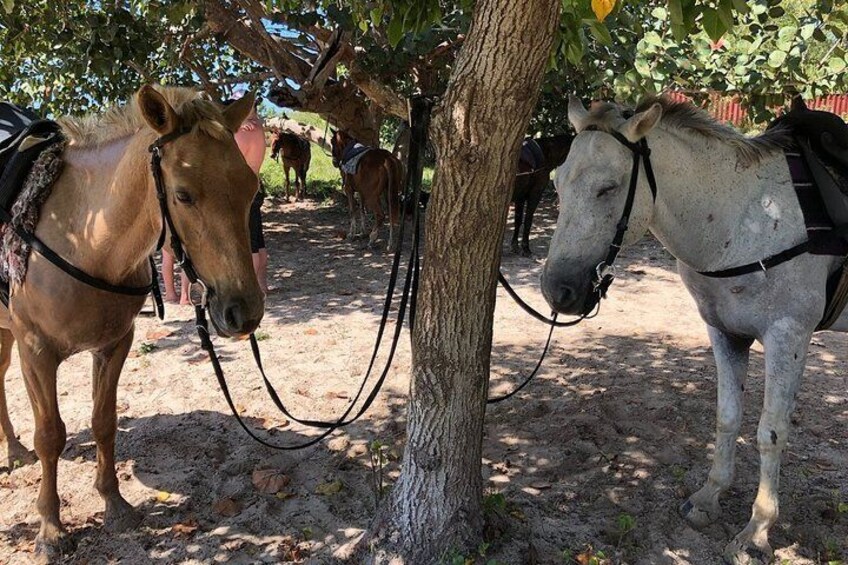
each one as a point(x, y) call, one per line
point(102, 212)
point(713, 211)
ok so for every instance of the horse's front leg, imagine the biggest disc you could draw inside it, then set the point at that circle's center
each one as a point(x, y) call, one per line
point(731, 356)
point(106, 370)
point(39, 364)
point(16, 453)
point(786, 352)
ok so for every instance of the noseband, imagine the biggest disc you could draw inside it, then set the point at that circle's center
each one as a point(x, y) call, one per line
point(605, 270)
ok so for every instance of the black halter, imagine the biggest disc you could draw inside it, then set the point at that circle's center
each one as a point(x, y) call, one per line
point(605, 271)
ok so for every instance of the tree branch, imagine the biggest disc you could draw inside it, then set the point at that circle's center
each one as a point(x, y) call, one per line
point(378, 92)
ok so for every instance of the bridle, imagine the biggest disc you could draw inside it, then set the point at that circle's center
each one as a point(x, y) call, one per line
point(605, 270)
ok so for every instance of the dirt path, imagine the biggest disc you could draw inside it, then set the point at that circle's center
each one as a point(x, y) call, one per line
point(613, 435)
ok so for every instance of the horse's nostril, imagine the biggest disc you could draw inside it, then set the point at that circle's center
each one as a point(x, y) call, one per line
point(234, 316)
point(566, 294)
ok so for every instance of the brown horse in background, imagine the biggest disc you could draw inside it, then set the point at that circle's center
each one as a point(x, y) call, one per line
point(379, 175)
point(530, 184)
point(103, 217)
point(296, 154)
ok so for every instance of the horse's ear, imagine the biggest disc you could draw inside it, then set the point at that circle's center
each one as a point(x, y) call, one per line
point(156, 111)
point(639, 125)
point(236, 113)
point(577, 114)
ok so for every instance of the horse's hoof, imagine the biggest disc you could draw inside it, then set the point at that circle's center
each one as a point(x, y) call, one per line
point(699, 515)
point(121, 516)
point(51, 551)
point(743, 551)
point(18, 455)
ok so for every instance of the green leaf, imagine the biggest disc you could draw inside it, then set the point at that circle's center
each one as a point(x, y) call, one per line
point(600, 32)
point(836, 65)
point(395, 30)
point(8, 5)
point(675, 12)
point(776, 59)
point(741, 6)
point(725, 13)
point(653, 38)
point(713, 25)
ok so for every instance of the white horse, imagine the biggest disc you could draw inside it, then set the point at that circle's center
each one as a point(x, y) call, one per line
point(722, 201)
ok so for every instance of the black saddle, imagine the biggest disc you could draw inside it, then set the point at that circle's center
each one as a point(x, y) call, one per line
point(822, 139)
point(531, 153)
point(22, 139)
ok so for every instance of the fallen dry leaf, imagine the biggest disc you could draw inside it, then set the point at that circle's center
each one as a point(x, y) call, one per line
point(311, 331)
point(269, 481)
point(329, 488)
point(227, 507)
point(162, 496)
point(158, 333)
point(270, 423)
point(285, 495)
point(302, 392)
point(541, 485)
point(331, 394)
point(184, 528)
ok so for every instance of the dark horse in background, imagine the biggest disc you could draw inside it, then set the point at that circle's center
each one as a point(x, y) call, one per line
point(376, 175)
point(538, 158)
point(295, 153)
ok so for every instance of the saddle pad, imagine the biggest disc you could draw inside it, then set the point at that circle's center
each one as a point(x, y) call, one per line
point(532, 154)
point(816, 217)
point(351, 156)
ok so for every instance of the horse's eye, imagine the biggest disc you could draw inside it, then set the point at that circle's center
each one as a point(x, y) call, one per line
point(183, 196)
point(606, 189)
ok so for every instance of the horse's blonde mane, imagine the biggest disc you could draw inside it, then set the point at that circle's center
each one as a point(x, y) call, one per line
point(686, 116)
point(195, 110)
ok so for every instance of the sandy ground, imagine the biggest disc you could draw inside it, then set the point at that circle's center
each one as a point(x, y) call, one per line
point(594, 456)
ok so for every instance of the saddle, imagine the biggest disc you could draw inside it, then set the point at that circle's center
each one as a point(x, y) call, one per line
point(23, 138)
point(352, 153)
point(821, 142)
point(531, 154)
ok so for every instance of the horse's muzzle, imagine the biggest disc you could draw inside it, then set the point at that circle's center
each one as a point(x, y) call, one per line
point(235, 317)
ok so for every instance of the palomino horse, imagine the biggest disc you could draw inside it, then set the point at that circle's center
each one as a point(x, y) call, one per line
point(103, 216)
point(722, 201)
point(378, 175)
point(531, 182)
point(296, 154)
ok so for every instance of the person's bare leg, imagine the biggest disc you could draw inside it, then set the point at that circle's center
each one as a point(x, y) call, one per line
point(260, 265)
point(184, 289)
point(168, 277)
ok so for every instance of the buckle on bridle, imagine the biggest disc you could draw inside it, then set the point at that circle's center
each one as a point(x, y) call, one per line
point(603, 272)
point(204, 293)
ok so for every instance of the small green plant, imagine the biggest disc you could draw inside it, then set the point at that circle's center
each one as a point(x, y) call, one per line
point(567, 556)
point(678, 472)
point(262, 335)
point(379, 459)
point(144, 348)
point(625, 523)
point(494, 502)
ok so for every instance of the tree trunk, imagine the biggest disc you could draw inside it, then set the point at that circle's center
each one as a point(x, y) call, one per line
point(436, 505)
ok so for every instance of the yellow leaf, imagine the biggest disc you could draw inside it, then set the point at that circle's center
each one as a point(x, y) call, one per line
point(329, 488)
point(162, 496)
point(602, 8)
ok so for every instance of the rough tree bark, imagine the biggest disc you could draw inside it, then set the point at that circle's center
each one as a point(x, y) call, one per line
point(436, 505)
